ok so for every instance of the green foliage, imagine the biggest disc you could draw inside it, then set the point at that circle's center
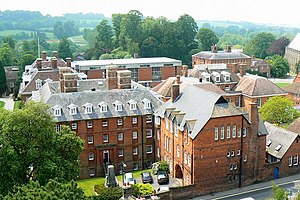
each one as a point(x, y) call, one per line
point(279, 110)
point(206, 38)
point(280, 66)
point(64, 48)
point(141, 189)
point(104, 193)
point(104, 38)
point(2, 104)
point(279, 193)
point(18, 104)
point(32, 150)
point(278, 46)
point(52, 190)
point(7, 55)
point(2, 79)
point(65, 29)
point(163, 166)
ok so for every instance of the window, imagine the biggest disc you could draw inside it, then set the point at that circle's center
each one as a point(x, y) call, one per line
point(227, 78)
point(57, 127)
point(245, 157)
point(238, 152)
point(134, 135)
point(296, 160)
point(73, 111)
point(38, 84)
point(120, 122)
point(178, 151)
point(105, 137)
point(103, 108)
point(104, 123)
point(90, 139)
point(234, 131)
point(158, 152)
point(135, 151)
point(232, 153)
point(216, 133)
point(217, 78)
point(244, 132)
point(57, 112)
point(132, 104)
point(157, 120)
point(158, 134)
point(74, 125)
point(227, 88)
point(235, 166)
point(228, 153)
point(258, 102)
point(120, 136)
point(171, 126)
point(118, 107)
point(222, 132)
point(92, 171)
point(89, 124)
point(149, 119)
point(134, 120)
point(135, 166)
point(231, 167)
point(238, 101)
point(269, 142)
point(88, 109)
point(228, 132)
point(91, 156)
point(187, 179)
point(291, 161)
point(278, 147)
point(121, 152)
point(149, 133)
point(149, 149)
point(147, 103)
point(189, 160)
point(185, 157)
point(156, 73)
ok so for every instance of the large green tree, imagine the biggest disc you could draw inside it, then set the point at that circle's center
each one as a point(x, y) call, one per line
point(64, 48)
point(279, 110)
point(2, 79)
point(259, 45)
point(32, 150)
point(7, 55)
point(280, 66)
point(104, 38)
point(278, 193)
point(206, 38)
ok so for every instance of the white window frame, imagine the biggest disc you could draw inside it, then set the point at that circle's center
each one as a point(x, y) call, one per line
point(234, 131)
point(73, 110)
point(245, 157)
point(120, 121)
point(222, 133)
point(296, 160)
point(149, 147)
point(258, 102)
point(135, 151)
point(148, 119)
point(132, 106)
point(90, 139)
point(189, 160)
point(291, 161)
point(88, 109)
point(157, 120)
point(238, 152)
point(158, 152)
point(120, 152)
point(216, 133)
point(91, 156)
point(57, 112)
point(135, 166)
point(89, 124)
point(244, 132)
point(120, 136)
point(38, 84)
point(134, 135)
point(228, 132)
point(178, 151)
point(167, 123)
point(57, 127)
point(228, 153)
point(148, 133)
point(105, 138)
point(104, 123)
point(92, 172)
point(185, 157)
point(232, 153)
point(74, 125)
point(158, 134)
point(103, 108)
point(239, 133)
point(134, 120)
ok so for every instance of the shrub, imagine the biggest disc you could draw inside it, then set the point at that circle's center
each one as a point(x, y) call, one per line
point(104, 193)
point(164, 166)
point(142, 189)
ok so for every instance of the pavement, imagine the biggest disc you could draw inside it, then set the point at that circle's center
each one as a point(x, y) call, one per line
point(9, 102)
point(250, 188)
point(288, 79)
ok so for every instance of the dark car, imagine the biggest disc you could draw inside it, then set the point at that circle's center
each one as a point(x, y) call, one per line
point(146, 177)
point(162, 177)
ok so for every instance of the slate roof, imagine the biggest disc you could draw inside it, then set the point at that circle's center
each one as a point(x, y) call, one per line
point(252, 85)
point(278, 136)
point(295, 126)
point(220, 55)
point(11, 72)
point(295, 43)
point(95, 97)
point(195, 106)
point(293, 88)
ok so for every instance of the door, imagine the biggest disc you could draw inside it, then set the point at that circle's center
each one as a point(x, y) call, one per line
point(106, 156)
point(276, 173)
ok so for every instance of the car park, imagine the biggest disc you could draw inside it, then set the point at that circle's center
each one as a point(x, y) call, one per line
point(146, 177)
point(129, 179)
point(162, 177)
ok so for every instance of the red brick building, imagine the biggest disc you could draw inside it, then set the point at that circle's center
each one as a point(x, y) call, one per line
point(116, 124)
point(146, 71)
point(209, 142)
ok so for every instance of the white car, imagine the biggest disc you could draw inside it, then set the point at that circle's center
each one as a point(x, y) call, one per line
point(129, 179)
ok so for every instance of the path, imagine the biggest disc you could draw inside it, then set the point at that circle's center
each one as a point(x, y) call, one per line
point(9, 102)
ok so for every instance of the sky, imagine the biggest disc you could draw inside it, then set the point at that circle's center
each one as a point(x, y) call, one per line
point(258, 11)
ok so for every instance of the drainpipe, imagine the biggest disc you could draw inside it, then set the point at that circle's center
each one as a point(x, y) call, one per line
point(142, 129)
point(241, 156)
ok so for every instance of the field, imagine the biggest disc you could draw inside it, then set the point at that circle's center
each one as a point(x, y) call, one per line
point(79, 40)
point(282, 85)
point(13, 32)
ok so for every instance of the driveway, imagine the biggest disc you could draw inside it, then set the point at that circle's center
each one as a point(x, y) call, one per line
point(9, 102)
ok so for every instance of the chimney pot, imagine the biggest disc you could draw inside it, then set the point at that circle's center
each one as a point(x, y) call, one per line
point(178, 79)
point(44, 55)
point(69, 60)
point(54, 63)
point(184, 70)
point(39, 64)
point(175, 92)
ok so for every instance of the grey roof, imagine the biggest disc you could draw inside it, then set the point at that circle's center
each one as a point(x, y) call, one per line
point(109, 97)
point(278, 136)
point(220, 55)
point(295, 43)
point(194, 107)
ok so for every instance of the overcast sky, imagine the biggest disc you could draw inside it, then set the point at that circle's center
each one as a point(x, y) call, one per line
point(259, 11)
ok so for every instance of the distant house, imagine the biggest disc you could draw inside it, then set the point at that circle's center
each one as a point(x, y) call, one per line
point(261, 66)
point(11, 74)
point(292, 52)
point(293, 91)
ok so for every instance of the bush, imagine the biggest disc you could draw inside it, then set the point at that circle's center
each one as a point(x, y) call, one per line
point(104, 193)
point(142, 189)
point(164, 166)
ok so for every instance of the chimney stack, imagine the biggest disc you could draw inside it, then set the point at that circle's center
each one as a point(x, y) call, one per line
point(69, 60)
point(228, 49)
point(254, 117)
point(111, 77)
point(55, 54)
point(39, 64)
point(54, 63)
point(177, 79)
point(214, 49)
point(174, 91)
point(44, 55)
point(124, 79)
point(68, 80)
point(184, 70)
point(242, 70)
point(234, 68)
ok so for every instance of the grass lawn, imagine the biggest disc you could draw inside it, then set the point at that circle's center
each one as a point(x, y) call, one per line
point(88, 184)
point(18, 104)
point(282, 84)
point(2, 104)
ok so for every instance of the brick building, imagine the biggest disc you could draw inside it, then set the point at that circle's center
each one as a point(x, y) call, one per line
point(209, 142)
point(292, 52)
point(115, 123)
point(11, 74)
point(293, 91)
point(261, 66)
point(146, 71)
point(233, 59)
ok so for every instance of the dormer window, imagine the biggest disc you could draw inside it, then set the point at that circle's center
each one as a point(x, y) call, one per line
point(132, 104)
point(48, 80)
point(227, 78)
point(278, 147)
point(118, 106)
point(88, 108)
point(73, 109)
point(147, 103)
point(269, 142)
point(38, 84)
point(217, 78)
point(57, 110)
point(205, 76)
point(103, 107)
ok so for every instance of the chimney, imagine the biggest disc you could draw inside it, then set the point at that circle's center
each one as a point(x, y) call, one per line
point(228, 49)
point(254, 117)
point(174, 92)
point(184, 70)
point(44, 55)
point(39, 64)
point(242, 70)
point(69, 60)
point(55, 54)
point(234, 68)
point(54, 63)
point(111, 77)
point(177, 79)
point(214, 49)
point(253, 57)
point(124, 79)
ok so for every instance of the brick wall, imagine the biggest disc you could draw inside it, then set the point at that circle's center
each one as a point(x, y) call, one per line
point(95, 74)
point(167, 72)
point(145, 74)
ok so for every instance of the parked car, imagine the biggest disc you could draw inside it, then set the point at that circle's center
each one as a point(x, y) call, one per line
point(162, 177)
point(129, 179)
point(146, 177)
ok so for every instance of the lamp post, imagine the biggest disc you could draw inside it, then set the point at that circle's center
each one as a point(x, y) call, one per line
point(123, 171)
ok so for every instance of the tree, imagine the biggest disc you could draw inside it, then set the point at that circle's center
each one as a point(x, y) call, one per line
point(279, 110)
point(278, 193)
point(2, 79)
point(9, 40)
point(164, 166)
point(206, 38)
point(104, 193)
point(104, 38)
point(52, 190)
point(7, 55)
point(32, 150)
point(259, 45)
point(58, 30)
point(280, 66)
point(64, 48)
point(278, 46)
